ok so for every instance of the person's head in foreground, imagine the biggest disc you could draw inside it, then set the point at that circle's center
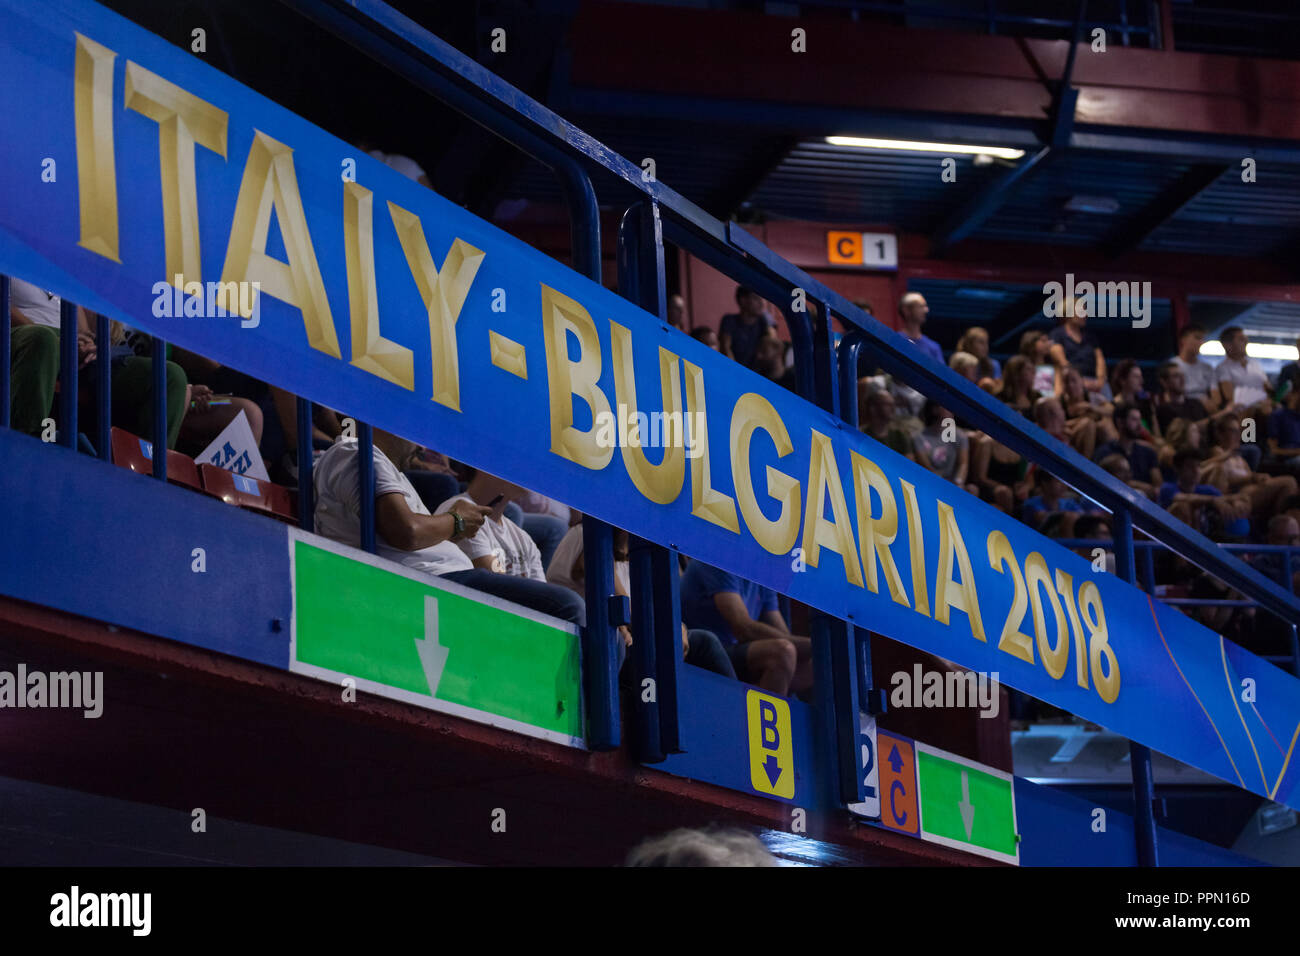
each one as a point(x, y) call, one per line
point(706, 847)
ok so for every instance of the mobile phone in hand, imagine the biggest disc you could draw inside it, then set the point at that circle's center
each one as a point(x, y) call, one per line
point(498, 505)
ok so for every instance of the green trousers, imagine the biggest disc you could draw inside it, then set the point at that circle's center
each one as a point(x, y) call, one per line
point(34, 365)
point(133, 396)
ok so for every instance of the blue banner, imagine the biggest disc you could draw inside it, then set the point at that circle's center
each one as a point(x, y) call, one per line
point(143, 184)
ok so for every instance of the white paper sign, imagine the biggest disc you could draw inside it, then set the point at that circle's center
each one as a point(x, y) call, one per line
point(235, 450)
point(869, 807)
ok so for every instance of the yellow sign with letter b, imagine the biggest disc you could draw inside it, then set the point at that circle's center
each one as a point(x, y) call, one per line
point(771, 752)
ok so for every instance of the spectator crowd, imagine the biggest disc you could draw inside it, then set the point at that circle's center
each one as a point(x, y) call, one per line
point(1217, 446)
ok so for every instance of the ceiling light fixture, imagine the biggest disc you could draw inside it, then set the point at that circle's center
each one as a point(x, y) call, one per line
point(1258, 350)
point(860, 142)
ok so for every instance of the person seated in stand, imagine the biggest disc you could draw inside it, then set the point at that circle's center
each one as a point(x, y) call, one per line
point(706, 335)
point(1127, 387)
point(747, 620)
point(1079, 434)
point(1284, 431)
point(34, 323)
point(500, 545)
point(1179, 436)
point(34, 362)
point(912, 315)
point(1074, 346)
point(942, 447)
point(1080, 407)
point(1117, 466)
point(677, 315)
point(1228, 470)
point(407, 533)
point(700, 648)
point(1054, 509)
point(740, 332)
point(968, 367)
point(1199, 380)
point(545, 519)
point(1203, 506)
point(1141, 456)
point(1037, 347)
point(1242, 379)
point(975, 341)
point(1000, 474)
point(1288, 380)
point(1016, 387)
point(769, 361)
point(877, 418)
point(1283, 531)
point(1173, 401)
point(217, 395)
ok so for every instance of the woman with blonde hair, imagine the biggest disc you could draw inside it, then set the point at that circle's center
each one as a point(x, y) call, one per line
point(975, 340)
point(1182, 434)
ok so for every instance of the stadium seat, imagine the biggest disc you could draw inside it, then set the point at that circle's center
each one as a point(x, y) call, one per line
point(131, 451)
point(248, 492)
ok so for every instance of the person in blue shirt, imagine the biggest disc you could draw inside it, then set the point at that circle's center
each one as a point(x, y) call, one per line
point(1047, 511)
point(1202, 506)
point(740, 332)
point(1141, 457)
point(912, 313)
point(747, 620)
point(1284, 430)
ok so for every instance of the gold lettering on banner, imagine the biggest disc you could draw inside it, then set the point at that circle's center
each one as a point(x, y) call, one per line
point(270, 185)
point(916, 548)
point(183, 121)
point(566, 378)
point(875, 535)
point(706, 501)
point(370, 350)
point(752, 412)
point(947, 592)
point(823, 477)
point(96, 158)
point(443, 292)
point(660, 483)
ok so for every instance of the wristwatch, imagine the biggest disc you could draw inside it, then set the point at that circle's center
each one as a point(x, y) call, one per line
point(457, 524)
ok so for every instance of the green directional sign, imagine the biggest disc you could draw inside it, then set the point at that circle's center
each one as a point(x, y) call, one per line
point(407, 636)
point(966, 805)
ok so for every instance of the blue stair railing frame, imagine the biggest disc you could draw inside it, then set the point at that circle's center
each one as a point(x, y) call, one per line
point(823, 377)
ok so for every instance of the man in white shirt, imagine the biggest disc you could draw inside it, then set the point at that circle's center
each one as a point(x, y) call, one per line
point(407, 533)
point(1244, 376)
point(1199, 380)
point(34, 354)
point(499, 545)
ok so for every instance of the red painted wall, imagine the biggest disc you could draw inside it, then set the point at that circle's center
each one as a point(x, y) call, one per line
point(710, 295)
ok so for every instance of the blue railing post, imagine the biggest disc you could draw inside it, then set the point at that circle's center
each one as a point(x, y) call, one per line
point(4, 351)
point(850, 348)
point(1295, 652)
point(666, 588)
point(306, 490)
point(159, 370)
point(599, 662)
point(645, 702)
point(366, 477)
point(656, 613)
point(828, 396)
point(104, 387)
point(69, 362)
point(1144, 792)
